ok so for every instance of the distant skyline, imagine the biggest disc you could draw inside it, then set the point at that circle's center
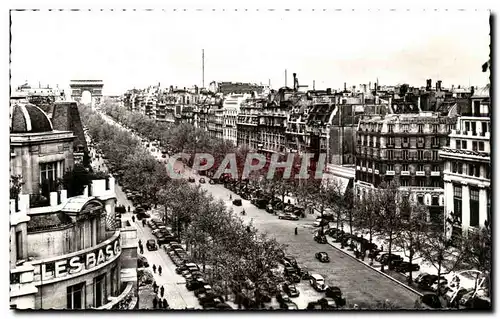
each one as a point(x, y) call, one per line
point(137, 49)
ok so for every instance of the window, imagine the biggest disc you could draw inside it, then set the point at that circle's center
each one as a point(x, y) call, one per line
point(435, 128)
point(474, 146)
point(404, 182)
point(420, 199)
point(420, 155)
point(474, 207)
point(390, 154)
point(457, 199)
point(390, 167)
point(435, 141)
point(390, 141)
point(477, 106)
point(481, 146)
point(404, 167)
point(435, 201)
point(75, 296)
point(436, 168)
point(459, 144)
point(405, 154)
point(48, 171)
point(99, 290)
point(390, 127)
point(460, 167)
point(435, 155)
point(19, 245)
point(420, 167)
point(420, 128)
point(464, 145)
point(467, 126)
point(405, 140)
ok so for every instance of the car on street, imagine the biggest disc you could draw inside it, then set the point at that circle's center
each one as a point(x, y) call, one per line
point(406, 267)
point(426, 282)
point(151, 245)
point(282, 297)
point(202, 180)
point(194, 284)
point(386, 258)
point(291, 290)
point(431, 300)
point(318, 282)
point(313, 305)
point(191, 276)
point(443, 283)
point(237, 202)
point(327, 303)
point(290, 305)
point(290, 261)
point(321, 239)
point(203, 290)
point(210, 300)
point(323, 257)
point(142, 262)
point(336, 294)
point(288, 216)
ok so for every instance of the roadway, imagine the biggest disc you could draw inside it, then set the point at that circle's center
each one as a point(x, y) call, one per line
point(360, 284)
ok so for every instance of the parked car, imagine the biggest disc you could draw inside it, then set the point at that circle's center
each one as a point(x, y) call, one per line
point(427, 281)
point(322, 257)
point(336, 294)
point(443, 283)
point(321, 239)
point(210, 300)
point(194, 284)
point(291, 290)
point(385, 259)
point(318, 282)
point(237, 202)
point(327, 303)
point(142, 214)
point(203, 290)
point(406, 267)
point(269, 209)
point(290, 260)
point(288, 216)
point(314, 305)
point(431, 300)
point(282, 297)
point(289, 306)
point(151, 245)
point(202, 180)
point(142, 262)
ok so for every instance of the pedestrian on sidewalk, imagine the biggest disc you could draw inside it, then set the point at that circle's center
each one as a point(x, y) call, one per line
point(143, 223)
point(141, 249)
point(159, 271)
point(155, 287)
point(296, 231)
point(155, 302)
point(154, 268)
point(165, 304)
point(162, 291)
point(133, 219)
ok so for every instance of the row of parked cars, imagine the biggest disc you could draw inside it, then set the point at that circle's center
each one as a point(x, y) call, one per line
point(333, 295)
point(195, 282)
point(163, 234)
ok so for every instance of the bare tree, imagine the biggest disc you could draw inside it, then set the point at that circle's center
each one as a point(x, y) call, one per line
point(414, 229)
point(390, 218)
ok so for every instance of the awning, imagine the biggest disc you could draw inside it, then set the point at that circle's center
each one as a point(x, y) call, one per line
point(337, 182)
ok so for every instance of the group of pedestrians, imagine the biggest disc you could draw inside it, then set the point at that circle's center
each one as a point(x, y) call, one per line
point(159, 302)
point(159, 269)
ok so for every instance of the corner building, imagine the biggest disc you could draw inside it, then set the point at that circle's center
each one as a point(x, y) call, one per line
point(65, 252)
point(467, 169)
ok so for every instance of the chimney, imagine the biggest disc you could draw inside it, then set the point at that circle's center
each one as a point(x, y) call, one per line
point(328, 91)
point(369, 85)
point(429, 85)
point(345, 86)
point(472, 90)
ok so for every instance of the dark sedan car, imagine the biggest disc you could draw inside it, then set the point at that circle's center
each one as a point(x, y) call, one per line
point(288, 216)
point(291, 290)
point(406, 267)
point(237, 202)
point(321, 239)
point(323, 257)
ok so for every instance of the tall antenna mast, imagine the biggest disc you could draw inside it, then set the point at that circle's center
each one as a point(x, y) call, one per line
point(203, 68)
point(285, 77)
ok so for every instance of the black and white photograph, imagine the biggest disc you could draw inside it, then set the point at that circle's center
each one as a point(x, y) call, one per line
point(250, 160)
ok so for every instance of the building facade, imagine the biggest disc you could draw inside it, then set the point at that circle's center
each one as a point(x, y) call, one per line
point(404, 148)
point(467, 167)
point(65, 252)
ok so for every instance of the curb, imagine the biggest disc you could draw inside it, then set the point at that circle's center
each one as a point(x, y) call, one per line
point(380, 272)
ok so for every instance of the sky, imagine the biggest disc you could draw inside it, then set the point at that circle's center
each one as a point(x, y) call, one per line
point(136, 49)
